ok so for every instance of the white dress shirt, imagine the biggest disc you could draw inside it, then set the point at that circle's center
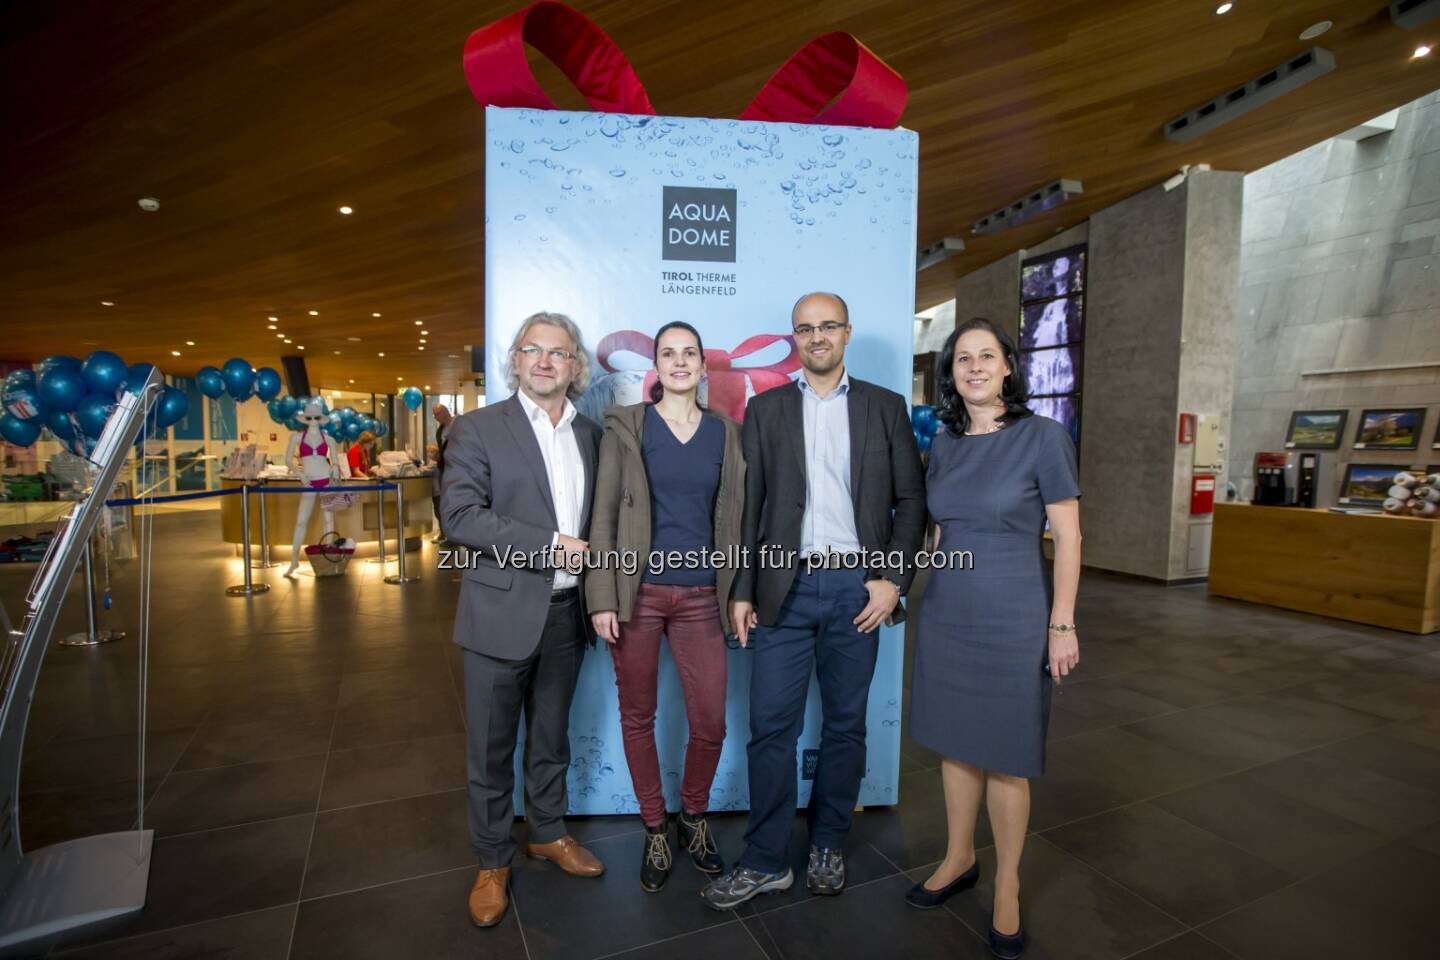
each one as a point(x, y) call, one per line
point(564, 469)
point(829, 522)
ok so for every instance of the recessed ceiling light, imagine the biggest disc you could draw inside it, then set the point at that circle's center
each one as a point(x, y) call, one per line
point(272, 327)
point(1421, 51)
point(174, 353)
point(1315, 30)
point(374, 314)
point(424, 333)
point(419, 323)
point(347, 210)
point(279, 336)
point(314, 313)
point(453, 356)
point(422, 348)
point(300, 347)
point(107, 303)
point(287, 339)
point(424, 341)
point(427, 386)
point(148, 204)
point(381, 353)
point(337, 353)
point(189, 343)
point(352, 381)
point(1223, 9)
point(273, 319)
point(353, 339)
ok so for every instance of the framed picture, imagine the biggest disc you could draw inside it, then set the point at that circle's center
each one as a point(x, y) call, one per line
point(1316, 429)
point(1367, 483)
point(1435, 444)
point(1390, 429)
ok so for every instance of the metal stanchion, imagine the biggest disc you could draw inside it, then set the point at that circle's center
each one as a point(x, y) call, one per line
point(265, 561)
point(380, 519)
point(248, 588)
point(399, 576)
point(93, 634)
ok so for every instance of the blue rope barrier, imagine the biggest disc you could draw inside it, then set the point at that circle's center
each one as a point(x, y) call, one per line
point(204, 494)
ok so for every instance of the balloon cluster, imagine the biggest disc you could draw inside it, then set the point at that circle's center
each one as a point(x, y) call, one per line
point(345, 423)
point(74, 399)
point(925, 423)
point(240, 380)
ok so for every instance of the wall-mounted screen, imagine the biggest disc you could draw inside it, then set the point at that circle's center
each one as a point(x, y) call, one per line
point(1053, 323)
point(1052, 371)
point(1053, 275)
point(1064, 409)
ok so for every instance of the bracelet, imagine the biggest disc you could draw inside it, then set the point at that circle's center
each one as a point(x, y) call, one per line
point(1063, 627)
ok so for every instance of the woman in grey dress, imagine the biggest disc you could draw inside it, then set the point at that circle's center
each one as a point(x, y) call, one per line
point(993, 638)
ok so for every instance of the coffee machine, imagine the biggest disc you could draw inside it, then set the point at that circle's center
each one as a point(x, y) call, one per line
point(1288, 479)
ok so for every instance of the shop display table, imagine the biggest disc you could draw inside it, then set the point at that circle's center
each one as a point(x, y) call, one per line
point(1369, 568)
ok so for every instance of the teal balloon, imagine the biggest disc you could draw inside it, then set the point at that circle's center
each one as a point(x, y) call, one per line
point(923, 441)
point(22, 433)
point(171, 408)
point(347, 413)
point(104, 372)
point(58, 361)
point(277, 415)
point(267, 383)
point(93, 411)
point(62, 388)
point(210, 382)
point(412, 397)
point(22, 395)
point(239, 379)
point(288, 406)
point(353, 429)
point(139, 373)
point(62, 424)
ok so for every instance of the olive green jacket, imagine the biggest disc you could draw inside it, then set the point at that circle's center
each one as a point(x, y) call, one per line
point(620, 519)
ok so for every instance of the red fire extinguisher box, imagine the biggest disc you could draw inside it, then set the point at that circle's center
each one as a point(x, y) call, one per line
point(1202, 493)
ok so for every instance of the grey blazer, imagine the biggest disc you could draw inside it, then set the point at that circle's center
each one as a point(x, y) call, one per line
point(496, 495)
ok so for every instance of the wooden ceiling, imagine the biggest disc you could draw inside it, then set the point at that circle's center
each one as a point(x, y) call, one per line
point(252, 122)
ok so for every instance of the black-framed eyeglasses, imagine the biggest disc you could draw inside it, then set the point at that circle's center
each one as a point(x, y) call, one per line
point(830, 327)
point(555, 354)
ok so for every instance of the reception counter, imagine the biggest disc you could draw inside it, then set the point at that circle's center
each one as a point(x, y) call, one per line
point(360, 523)
point(1369, 568)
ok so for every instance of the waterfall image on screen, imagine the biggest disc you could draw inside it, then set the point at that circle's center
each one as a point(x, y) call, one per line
point(1050, 324)
point(1052, 371)
point(1062, 274)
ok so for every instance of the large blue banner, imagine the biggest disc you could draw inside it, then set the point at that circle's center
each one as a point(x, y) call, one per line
point(627, 222)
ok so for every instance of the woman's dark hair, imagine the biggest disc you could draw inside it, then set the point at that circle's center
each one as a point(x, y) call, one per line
point(657, 392)
point(1013, 391)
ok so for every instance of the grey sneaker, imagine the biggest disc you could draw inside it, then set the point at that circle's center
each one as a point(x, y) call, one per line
point(729, 890)
point(825, 873)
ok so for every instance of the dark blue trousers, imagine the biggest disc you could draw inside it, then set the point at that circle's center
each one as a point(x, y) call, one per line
point(814, 631)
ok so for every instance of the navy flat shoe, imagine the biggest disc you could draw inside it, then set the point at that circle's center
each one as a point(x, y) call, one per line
point(922, 898)
point(1007, 946)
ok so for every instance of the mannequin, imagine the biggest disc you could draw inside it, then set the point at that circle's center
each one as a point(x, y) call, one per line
point(317, 460)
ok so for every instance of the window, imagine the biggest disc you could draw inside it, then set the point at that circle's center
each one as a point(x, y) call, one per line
point(1052, 328)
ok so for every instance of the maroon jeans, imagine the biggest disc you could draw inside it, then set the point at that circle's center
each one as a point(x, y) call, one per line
point(690, 618)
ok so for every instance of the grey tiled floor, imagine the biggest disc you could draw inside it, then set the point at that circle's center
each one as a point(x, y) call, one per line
point(1225, 780)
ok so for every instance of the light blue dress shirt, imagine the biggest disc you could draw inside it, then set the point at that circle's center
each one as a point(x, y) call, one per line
point(829, 522)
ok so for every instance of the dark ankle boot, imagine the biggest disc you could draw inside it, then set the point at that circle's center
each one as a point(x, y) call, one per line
point(655, 859)
point(692, 831)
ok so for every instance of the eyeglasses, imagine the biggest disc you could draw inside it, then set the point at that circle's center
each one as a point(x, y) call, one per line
point(805, 331)
point(555, 355)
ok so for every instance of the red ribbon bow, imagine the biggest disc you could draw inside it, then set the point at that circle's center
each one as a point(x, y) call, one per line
point(833, 79)
point(725, 380)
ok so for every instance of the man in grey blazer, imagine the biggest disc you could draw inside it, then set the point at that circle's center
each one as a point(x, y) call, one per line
point(519, 480)
point(834, 512)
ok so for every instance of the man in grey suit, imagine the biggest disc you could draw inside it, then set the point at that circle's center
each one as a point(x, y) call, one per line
point(519, 480)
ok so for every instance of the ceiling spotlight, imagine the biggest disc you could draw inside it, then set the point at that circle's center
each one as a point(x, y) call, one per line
point(453, 356)
point(424, 341)
point(337, 353)
point(374, 314)
point(1315, 30)
point(273, 319)
point(287, 339)
point(272, 327)
point(424, 333)
point(174, 353)
point(189, 343)
point(381, 353)
point(422, 348)
point(301, 347)
point(353, 339)
point(314, 313)
point(1421, 51)
point(399, 378)
point(347, 210)
point(352, 381)
point(1223, 9)
point(279, 336)
point(419, 323)
point(427, 386)
point(107, 303)
point(149, 204)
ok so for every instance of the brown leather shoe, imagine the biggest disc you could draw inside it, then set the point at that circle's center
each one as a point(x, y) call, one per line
point(567, 854)
point(489, 898)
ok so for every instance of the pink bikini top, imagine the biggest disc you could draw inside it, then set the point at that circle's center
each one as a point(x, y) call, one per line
point(308, 451)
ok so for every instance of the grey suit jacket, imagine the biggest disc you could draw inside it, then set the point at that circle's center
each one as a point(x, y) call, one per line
point(496, 496)
point(887, 487)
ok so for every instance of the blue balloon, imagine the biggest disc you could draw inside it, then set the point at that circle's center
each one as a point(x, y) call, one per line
point(62, 388)
point(171, 408)
point(135, 379)
point(58, 361)
point(104, 372)
point(277, 415)
point(412, 397)
point(210, 382)
point(288, 407)
point(93, 411)
point(22, 433)
point(353, 429)
point(267, 383)
point(923, 441)
point(22, 395)
point(295, 423)
point(381, 429)
point(239, 379)
point(62, 424)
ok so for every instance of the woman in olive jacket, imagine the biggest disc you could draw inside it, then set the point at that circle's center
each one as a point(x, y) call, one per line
point(669, 495)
